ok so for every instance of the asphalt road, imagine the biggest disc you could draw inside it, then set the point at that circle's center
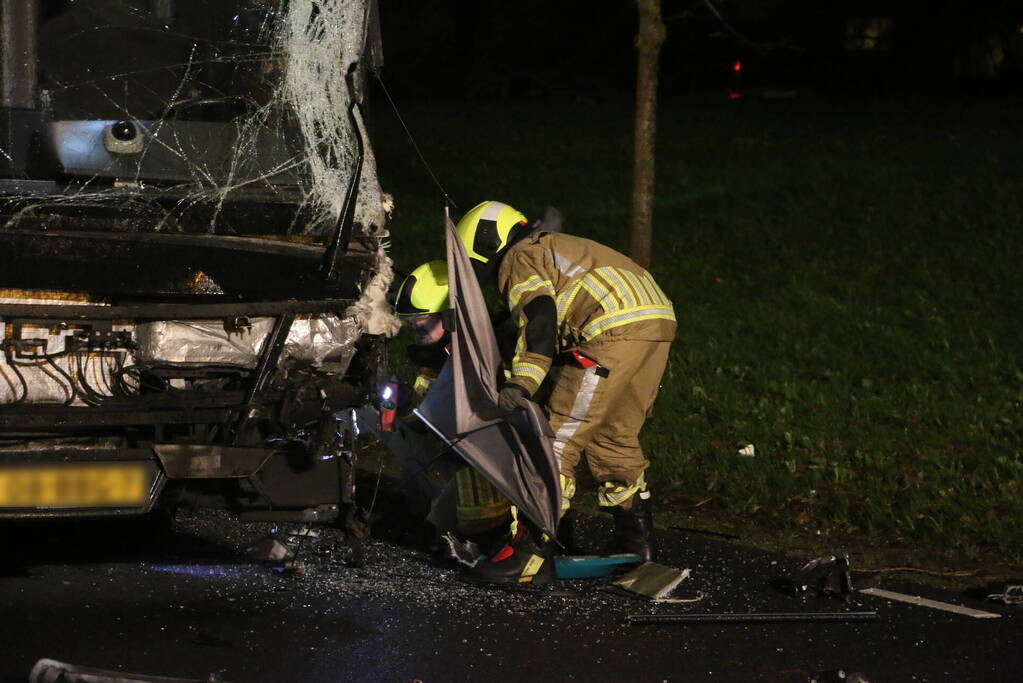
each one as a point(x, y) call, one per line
point(189, 603)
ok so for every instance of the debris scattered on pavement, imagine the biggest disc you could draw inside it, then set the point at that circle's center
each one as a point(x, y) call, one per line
point(654, 581)
point(290, 568)
point(838, 676)
point(1012, 595)
point(302, 533)
point(52, 671)
point(933, 604)
point(707, 532)
point(751, 617)
point(828, 575)
point(462, 552)
point(591, 566)
point(269, 549)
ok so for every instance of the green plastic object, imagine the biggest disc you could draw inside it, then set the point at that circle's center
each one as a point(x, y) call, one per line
point(590, 566)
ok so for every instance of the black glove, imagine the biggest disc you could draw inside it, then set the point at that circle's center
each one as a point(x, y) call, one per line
point(513, 396)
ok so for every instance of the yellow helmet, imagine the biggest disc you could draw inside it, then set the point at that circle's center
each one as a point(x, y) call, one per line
point(486, 229)
point(424, 291)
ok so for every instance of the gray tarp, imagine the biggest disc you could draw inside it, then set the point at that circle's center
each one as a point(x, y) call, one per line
point(513, 450)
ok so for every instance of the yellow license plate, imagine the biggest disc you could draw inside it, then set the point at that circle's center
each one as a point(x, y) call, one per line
point(79, 485)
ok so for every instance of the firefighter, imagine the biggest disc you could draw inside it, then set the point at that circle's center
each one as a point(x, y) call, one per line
point(480, 510)
point(608, 326)
point(421, 302)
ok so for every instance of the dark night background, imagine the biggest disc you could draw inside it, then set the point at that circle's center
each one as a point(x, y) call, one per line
point(491, 49)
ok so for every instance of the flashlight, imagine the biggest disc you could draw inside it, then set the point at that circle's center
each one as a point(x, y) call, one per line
point(388, 405)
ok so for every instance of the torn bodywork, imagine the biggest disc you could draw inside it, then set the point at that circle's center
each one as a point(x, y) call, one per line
point(191, 280)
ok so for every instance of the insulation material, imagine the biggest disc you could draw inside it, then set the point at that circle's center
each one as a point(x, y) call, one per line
point(372, 309)
point(311, 341)
point(201, 342)
point(325, 338)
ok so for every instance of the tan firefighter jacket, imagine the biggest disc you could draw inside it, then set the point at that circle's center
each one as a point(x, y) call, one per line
point(598, 292)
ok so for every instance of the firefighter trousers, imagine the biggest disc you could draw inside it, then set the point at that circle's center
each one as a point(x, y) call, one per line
point(601, 409)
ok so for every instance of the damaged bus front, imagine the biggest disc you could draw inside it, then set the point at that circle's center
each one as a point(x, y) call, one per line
point(192, 276)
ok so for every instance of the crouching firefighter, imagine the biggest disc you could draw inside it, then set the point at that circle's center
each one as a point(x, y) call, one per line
point(608, 326)
point(480, 511)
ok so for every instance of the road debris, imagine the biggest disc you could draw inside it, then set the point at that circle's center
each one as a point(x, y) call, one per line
point(656, 582)
point(52, 671)
point(463, 552)
point(1012, 595)
point(839, 676)
point(828, 575)
point(269, 549)
point(752, 617)
point(933, 604)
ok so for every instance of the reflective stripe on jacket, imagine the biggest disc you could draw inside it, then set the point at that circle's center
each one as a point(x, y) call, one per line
point(597, 291)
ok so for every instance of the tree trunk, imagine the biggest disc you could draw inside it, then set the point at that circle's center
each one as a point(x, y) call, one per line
point(648, 45)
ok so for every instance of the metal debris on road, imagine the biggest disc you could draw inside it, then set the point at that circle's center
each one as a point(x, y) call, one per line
point(462, 552)
point(933, 604)
point(828, 575)
point(749, 618)
point(652, 580)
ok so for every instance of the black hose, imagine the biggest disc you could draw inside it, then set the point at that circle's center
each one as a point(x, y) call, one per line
point(87, 393)
point(21, 377)
point(105, 371)
point(72, 391)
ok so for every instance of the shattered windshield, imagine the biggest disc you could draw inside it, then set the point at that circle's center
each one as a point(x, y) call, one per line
point(169, 114)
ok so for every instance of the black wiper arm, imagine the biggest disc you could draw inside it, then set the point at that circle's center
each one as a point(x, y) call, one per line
point(341, 235)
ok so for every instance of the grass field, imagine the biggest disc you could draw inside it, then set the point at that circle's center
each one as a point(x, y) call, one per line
point(846, 278)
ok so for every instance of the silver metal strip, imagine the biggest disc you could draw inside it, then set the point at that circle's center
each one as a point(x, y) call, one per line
point(933, 604)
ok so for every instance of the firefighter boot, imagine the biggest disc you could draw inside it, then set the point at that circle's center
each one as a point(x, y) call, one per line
point(527, 558)
point(634, 528)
